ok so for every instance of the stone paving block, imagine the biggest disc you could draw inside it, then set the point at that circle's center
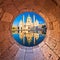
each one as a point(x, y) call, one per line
point(13, 50)
point(20, 54)
point(41, 44)
point(12, 10)
point(5, 35)
point(11, 40)
point(4, 26)
point(20, 7)
point(47, 6)
point(7, 17)
point(8, 2)
point(51, 17)
point(51, 43)
point(56, 25)
point(54, 34)
point(29, 56)
point(4, 46)
point(56, 12)
point(57, 49)
point(5, 54)
point(51, 26)
point(48, 53)
point(37, 54)
point(29, 50)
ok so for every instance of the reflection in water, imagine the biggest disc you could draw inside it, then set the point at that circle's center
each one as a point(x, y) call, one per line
point(28, 38)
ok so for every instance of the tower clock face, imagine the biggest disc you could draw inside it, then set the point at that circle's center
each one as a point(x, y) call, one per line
point(29, 29)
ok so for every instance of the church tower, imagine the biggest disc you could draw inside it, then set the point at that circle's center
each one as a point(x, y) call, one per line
point(29, 20)
point(29, 23)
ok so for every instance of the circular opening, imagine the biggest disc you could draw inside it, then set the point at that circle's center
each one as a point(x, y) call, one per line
point(29, 29)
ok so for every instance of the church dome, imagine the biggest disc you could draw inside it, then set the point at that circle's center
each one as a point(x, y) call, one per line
point(29, 19)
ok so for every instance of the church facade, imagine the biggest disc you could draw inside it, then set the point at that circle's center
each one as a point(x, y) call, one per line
point(29, 24)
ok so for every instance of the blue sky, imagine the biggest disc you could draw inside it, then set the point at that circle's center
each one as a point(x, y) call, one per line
point(19, 18)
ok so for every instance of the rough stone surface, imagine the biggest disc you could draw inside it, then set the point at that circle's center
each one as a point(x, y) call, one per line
point(48, 53)
point(7, 17)
point(49, 49)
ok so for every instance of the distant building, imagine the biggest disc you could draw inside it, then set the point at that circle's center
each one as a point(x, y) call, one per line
point(28, 25)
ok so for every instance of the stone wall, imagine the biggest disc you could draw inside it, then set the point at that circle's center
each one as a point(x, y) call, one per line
point(48, 9)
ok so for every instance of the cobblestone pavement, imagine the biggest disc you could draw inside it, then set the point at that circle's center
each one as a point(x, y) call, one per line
point(29, 54)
